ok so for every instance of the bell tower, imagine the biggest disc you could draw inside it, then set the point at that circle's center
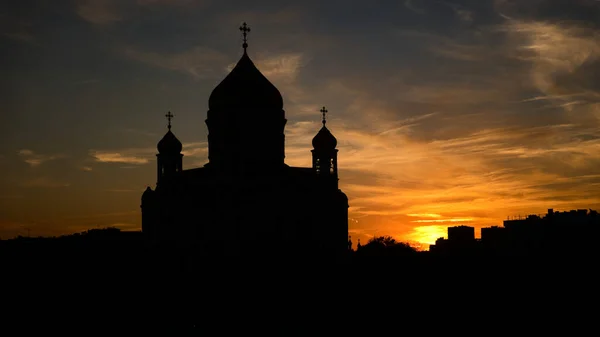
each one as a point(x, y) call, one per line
point(169, 157)
point(324, 154)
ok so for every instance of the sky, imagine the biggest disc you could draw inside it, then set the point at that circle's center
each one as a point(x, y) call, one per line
point(447, 113)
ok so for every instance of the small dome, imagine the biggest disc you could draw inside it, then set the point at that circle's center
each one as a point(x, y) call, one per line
point(245, 87)
point(343, 197)
point(324, 140)
point(169, 144)
point(148, 194)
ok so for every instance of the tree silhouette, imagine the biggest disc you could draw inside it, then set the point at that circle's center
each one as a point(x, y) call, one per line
point(386, 246)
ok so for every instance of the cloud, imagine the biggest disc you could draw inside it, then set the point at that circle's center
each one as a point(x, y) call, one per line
point(172, 2)
point(411, 5)
point(199, 62)
point(99, 12)
point(464, 15)
point(17, 26)
point(35, 159)
point(116, 157)
point(21, 35)
point(141, 156)
point(202, 62)
point(195, 149)
point(563, 59)
point(396, 175)
point(279, 68)
point(451, 220)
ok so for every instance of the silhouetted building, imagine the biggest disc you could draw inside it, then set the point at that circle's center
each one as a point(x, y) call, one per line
point(461, 234)
point(574, 231)
point(493, 240)
point(461, 240)
point(440, 246)
point(494, 233)
point(246, 199)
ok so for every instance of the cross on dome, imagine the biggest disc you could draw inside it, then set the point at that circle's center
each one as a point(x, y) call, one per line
point(324, 139)
point(169, 115)
point(324, 112)
point(245, 30)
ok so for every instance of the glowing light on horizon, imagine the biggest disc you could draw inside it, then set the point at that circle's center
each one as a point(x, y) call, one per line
point(426, 235)
point(445, 220)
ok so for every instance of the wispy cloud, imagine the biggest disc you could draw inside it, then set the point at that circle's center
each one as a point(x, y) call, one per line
point(172, 2)
point(412, 5)
point(140, 156)
point(563, 56)
point(36, 159)
point(279, 68)
point(18, 28)
point(99, 12)
point(199, 62)
point(116, 157)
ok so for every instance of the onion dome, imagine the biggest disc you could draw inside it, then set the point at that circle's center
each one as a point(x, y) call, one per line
point(324, 140)
point(148, 194)
point(245, 87)
point(169, 144)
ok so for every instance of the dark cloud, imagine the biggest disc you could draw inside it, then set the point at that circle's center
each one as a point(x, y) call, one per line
point(582, 11)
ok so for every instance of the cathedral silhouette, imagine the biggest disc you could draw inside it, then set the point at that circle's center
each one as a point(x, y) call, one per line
point(246, 199)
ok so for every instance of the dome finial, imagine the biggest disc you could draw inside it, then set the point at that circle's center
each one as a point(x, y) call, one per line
point(169, 115)
point(245, 30)
point(324, 112)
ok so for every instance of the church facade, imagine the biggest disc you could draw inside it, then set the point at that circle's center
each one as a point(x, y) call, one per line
point(246, 199)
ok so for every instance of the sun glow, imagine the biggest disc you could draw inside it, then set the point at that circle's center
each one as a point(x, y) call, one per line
point(446, 220)
point(427, 235)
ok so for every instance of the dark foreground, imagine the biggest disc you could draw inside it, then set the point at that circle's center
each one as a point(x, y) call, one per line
point(126, 286)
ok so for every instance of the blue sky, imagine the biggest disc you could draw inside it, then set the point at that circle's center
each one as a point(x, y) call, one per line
point(446, 112)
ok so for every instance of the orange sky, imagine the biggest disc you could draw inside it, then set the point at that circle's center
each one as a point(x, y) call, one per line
point(446, 113)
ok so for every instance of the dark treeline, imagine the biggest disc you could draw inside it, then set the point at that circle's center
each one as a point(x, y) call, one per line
point(111, 250)
point(110, 279)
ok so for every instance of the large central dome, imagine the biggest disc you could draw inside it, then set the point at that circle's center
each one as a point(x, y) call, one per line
point(245, 88)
